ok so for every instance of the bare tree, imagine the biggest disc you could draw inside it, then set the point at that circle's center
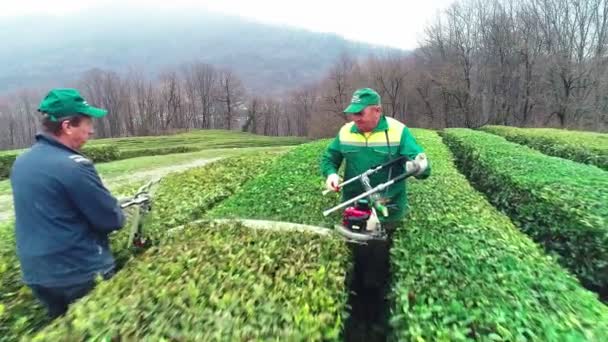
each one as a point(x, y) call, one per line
point(388, 75)
point(172, 99)
point(231, 94)
point(574, 34)
point(302, 102)
point(204, 80)
point(253, 108)
point(338, 87)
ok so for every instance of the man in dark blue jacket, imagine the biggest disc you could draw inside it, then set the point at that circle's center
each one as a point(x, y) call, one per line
point(63, 212)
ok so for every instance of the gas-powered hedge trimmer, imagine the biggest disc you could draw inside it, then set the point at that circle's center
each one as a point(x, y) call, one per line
point(142, 201)
point(360, 223)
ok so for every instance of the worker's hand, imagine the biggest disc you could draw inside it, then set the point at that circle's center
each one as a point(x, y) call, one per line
point(423, 163)
point(332, 182)
point(412, 167)
point(418, 165)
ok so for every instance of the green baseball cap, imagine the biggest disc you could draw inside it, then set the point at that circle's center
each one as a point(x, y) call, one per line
point(60, 103)
point(362, 98)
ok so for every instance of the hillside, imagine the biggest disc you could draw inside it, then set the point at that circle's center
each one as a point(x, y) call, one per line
point(49, 51)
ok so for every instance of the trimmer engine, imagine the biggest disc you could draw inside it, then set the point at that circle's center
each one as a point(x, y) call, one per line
point(360, 222)
point(360, 217)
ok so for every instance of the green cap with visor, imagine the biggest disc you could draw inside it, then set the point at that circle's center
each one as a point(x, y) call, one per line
point(362, 98)
point(66, 102)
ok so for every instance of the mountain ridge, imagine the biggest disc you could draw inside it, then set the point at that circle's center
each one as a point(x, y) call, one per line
point(54, 50)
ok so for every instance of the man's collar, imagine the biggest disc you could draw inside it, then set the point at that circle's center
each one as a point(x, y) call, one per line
point(50, 140)
point(381, 126)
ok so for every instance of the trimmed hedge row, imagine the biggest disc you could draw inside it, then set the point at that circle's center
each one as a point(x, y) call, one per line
point(583, 147)
point(20, 313)
point(127, 154)
point(102, 154)
point(104, 150)
point(99, 154)
point(6, 161)
point(202, 139)
point(217, 283)
point(179, 199)
point(561, 204)
point(186, 196)
point(289, 190)
point(462, 271)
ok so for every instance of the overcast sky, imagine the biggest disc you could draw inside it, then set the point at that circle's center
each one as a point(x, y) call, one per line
point(397, 23)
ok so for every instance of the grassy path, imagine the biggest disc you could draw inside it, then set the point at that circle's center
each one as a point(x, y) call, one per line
point(123, 174)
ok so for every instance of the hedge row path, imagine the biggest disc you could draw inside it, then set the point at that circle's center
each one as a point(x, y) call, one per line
point(113, 183)
point(147, 175)
point(115, 180)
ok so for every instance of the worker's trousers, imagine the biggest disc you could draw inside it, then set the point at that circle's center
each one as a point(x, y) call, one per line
point(370, 281)
point(372, 264)
point(56, 299)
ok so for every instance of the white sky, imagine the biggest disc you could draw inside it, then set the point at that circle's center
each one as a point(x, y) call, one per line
point(398, 23)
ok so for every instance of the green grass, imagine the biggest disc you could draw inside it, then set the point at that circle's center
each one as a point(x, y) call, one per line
point(583, 147)
point(561, 204)
point(463, 272)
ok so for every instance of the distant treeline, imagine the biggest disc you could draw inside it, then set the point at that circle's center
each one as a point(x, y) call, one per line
point(520, 63)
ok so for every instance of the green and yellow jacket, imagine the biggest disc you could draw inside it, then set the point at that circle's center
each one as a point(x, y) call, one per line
point(362, 151)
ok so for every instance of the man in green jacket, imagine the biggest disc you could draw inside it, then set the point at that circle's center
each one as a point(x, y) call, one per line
point(371, 139)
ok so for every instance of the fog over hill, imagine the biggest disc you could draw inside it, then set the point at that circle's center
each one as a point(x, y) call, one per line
point(51, 51)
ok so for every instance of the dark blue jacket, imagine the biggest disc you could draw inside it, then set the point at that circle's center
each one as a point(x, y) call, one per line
point(63, 215)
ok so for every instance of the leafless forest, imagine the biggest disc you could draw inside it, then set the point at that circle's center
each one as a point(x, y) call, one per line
point(521, 63)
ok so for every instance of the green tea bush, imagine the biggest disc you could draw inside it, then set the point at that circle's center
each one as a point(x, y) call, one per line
point(561, 204)
point(98, 154)
point(127, 154)
point(463, 272)
point(180, 198)
point(289, 190)
point(102, 153)
point(200, 139)
point(105, 150)
point(6, 162)
point(583, 147)
point(20, 312)
point(186, 196)
point(218, 283)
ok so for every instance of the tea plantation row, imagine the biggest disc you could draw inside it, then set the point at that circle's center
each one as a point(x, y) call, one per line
point(236, 283)
point(461, 269)
point(216, 283)
point(105, 150)
point(583, 147)
point(561, 204)
point(179, 198)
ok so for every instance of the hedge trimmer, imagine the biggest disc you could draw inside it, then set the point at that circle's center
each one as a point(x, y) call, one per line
point(142, 201)
point(360, 223)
